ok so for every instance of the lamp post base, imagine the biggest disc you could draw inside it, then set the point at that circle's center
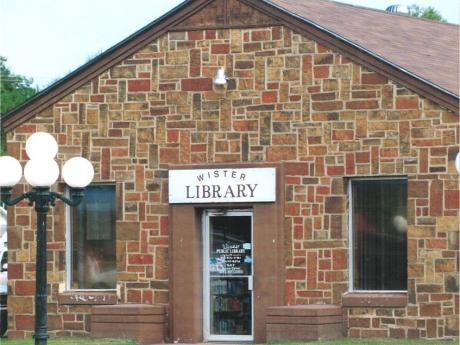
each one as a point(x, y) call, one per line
point(41, 340)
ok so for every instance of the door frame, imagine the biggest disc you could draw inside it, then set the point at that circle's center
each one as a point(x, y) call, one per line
point(185, 268)
point(228, 212)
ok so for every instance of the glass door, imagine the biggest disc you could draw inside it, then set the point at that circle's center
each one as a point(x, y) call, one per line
point(228, 267)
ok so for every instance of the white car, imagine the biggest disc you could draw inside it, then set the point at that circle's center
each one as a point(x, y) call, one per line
point(3, 289)
point(3, 270)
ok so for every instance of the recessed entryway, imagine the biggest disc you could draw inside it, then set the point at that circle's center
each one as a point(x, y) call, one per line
point(216, 301)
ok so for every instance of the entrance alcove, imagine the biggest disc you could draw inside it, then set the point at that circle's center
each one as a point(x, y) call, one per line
point(186, 261)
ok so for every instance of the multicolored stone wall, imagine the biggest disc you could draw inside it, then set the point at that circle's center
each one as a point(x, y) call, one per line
point(288, 99)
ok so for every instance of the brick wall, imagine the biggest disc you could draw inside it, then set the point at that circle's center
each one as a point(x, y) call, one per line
point(288, 99)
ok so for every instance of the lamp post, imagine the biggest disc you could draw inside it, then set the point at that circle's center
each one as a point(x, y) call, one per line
point(41, 172)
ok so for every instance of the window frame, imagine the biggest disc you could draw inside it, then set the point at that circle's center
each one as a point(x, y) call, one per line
point(351, 288)
point(69, 242)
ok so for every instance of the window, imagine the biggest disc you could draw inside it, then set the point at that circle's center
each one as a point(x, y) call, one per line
point(91, 260)
point(378, 224)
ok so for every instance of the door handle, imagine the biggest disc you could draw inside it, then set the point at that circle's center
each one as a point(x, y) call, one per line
point(250, 283)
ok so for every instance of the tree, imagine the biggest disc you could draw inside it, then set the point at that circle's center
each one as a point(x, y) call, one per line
point(15, 89)
point(426, 13)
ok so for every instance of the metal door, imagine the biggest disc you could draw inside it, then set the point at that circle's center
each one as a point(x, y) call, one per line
point(228, 275)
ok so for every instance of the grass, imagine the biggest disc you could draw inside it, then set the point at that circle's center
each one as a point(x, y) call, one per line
point(374, 342)
point(89, 341)
point(68, 341)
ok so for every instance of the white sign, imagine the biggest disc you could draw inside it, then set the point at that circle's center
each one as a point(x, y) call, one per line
point(222, 185)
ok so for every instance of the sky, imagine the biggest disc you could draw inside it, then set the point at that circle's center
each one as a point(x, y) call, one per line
point(47, 39)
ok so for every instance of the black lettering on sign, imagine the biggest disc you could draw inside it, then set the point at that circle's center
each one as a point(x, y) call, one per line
point(241, 188)
point(206, 191)
point(188, 193)
point(229, 191)
point(216, 191)
point(252, 189)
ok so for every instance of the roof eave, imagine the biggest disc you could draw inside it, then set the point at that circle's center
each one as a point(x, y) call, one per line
point(163, 24)
point(65, 85)
point(439, 94)
point(357, 46)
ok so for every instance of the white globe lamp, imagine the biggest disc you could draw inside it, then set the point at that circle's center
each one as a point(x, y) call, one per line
point(220, 77)
point(78, 172)
point(41, 172)
point(10, 171)
point(41, 145)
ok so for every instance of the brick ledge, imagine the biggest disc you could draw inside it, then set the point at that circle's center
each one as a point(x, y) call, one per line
point(87, 297)
point(374, 299)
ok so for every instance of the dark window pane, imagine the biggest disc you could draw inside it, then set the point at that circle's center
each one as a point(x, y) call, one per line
point(379, 234)
point(93, 240)
point(230, 245)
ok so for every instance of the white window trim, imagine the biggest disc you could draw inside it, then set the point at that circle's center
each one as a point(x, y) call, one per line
point(351, 288)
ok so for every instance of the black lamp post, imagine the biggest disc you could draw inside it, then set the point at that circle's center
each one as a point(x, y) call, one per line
point(41, 171)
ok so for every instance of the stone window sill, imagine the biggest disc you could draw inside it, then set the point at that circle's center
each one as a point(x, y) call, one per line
point(87, 297)
point(375, 299)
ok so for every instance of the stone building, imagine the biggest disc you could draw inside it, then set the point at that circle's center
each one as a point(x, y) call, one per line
point(321, 173)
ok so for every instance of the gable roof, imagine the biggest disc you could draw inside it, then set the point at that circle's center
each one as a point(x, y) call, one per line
point(424, 56)
point(426, 48)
